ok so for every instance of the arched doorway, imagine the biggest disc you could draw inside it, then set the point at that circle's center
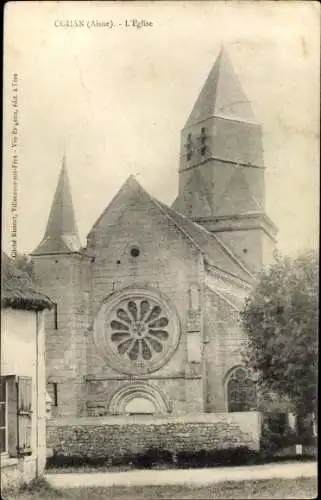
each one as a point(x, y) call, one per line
point(241, 391)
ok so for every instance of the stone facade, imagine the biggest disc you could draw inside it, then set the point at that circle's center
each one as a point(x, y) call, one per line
point(146, 317)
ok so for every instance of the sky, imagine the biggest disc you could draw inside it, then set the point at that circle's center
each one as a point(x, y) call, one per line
point(114, 101)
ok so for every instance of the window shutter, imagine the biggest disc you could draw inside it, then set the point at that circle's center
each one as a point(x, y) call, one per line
point(24, 415)
point(12, 394)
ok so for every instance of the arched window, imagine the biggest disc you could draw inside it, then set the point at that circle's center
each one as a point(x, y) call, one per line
point(241, 391)
point(138, 398)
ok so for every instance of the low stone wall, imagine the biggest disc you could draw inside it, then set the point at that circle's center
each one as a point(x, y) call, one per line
point(115, 437)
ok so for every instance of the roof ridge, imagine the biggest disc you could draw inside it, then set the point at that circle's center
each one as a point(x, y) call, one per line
point(159, 205)
point(222, 297)
point(220, 242)
point(231, 254)
point(201, 239)
point(163, 206)
point(131, 178)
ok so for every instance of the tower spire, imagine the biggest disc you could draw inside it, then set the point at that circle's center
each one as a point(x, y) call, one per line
point(61, 233)
point(221, 160)
point(221, 174)
point(222, 95)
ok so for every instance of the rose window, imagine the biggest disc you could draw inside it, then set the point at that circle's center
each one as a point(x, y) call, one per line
point(140, 332)
point(139, 329)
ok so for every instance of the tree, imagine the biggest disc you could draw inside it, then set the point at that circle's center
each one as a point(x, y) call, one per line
point(280, 318)
point(25, 264)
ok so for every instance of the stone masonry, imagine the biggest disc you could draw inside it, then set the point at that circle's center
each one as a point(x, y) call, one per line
point(113, 438)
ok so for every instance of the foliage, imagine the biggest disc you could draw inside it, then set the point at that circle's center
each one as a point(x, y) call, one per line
point(240, 455)
point(39, 485)
point(155, 458)
point(275, 435)
point(281, 320)
point(25, 264)
point(18, 289)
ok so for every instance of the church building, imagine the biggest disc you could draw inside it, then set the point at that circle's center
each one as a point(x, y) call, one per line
point(146, 316)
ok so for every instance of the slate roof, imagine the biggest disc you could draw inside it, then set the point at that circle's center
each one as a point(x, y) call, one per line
point(17, 289)
point(61, 235)
point(222, 96)
point(214, 250)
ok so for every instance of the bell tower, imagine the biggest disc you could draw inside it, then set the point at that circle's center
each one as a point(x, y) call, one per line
point(62, 272)
point(221, 174)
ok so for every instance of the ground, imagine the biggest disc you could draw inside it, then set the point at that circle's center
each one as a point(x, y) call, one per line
point(266, 489)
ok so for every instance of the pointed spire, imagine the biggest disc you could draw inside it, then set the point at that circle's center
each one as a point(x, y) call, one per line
point(222, 95)
point(61, 234)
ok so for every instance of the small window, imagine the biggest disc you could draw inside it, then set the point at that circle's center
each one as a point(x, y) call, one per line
point(52, 389)
point(3, 415)
point(135, 252)
point(55, 312)
point(202, 139)
point(188, 147)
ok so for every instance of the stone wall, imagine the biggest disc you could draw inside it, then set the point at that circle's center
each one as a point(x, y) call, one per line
point(112, 437)
point(223, 349)
point(66, 280)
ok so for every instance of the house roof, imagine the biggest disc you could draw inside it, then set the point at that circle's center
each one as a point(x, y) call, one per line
point(17, 289)
point(61, 233)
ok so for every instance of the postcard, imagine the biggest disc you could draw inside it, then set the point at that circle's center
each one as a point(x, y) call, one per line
point(158, 158)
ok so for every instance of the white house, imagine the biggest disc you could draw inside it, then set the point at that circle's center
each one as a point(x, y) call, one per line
point(22, 382)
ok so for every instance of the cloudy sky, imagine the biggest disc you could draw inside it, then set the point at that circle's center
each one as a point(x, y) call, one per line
point(115, 99)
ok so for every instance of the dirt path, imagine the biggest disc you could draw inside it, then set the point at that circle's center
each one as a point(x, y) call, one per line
point(183, 476)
